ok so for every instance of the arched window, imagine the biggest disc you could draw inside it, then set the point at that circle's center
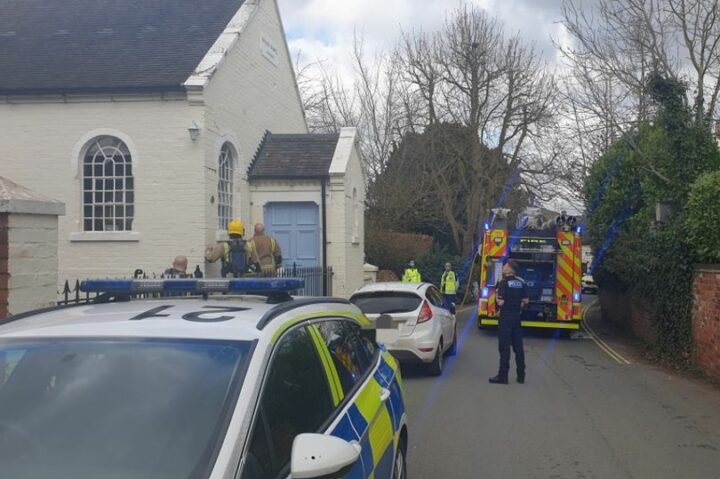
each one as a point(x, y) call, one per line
point(108, 187)
point(226, 174)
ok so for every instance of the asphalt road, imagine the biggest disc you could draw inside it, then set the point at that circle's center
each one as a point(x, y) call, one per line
point(582, 413)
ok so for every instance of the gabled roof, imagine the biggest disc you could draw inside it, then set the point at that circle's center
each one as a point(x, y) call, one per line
point(294, 156)
point(97, 46)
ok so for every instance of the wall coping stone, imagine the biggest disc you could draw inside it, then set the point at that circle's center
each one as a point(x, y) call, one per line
point(18, 199)
point(707, 268)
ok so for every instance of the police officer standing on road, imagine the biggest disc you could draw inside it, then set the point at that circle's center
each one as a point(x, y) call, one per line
point(512, 296)
point(449, 284)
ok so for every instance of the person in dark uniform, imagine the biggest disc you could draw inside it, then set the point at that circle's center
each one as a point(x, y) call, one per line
point(512, 296)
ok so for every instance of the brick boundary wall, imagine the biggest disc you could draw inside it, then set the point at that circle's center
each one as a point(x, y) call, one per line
point(706, 319)
point(4, 256)
point(629, 314)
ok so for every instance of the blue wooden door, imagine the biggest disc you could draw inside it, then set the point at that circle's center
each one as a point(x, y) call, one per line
point(295, 226)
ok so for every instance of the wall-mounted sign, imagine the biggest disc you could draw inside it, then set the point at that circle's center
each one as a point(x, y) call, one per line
point(268, 51)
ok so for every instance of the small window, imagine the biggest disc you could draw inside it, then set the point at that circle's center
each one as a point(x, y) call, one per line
point(434, 296)
point(355, 215)
point(349, 354)
point(107, 183)
point(296, 399)
point(226, 176)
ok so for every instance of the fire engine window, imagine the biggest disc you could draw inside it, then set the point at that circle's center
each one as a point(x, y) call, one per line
point(494, 269)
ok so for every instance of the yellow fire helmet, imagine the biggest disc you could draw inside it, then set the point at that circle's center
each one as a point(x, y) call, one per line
point(236, 227)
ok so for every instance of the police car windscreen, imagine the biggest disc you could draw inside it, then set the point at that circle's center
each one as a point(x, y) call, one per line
point(126, 409)
point(386, 302)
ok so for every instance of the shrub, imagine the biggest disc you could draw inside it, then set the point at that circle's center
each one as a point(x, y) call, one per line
point(703, 218)
point(432, 265)
point(389, 250)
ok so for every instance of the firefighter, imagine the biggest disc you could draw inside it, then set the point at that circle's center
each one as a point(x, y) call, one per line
point(237, 258)
point(512, 296)
point(411, 275)
point(449, 284)
point(267, 249)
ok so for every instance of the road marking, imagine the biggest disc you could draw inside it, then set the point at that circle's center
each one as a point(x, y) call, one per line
point(602, 344)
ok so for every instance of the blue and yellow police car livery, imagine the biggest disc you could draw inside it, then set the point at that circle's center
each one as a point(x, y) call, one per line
point(370, 413)
point(250, 384)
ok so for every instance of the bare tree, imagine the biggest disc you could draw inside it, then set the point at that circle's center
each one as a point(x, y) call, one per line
point(617, 44)
point(478, 102)
point(374, 103)
point(699, 24)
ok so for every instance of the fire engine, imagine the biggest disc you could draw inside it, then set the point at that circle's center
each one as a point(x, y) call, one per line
point(549, 255)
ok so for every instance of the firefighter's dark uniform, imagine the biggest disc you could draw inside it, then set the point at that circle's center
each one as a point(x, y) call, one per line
point(512, 290)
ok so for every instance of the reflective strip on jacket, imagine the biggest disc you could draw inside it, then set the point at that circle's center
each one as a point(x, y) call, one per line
point(412, 275)
point(449, 283)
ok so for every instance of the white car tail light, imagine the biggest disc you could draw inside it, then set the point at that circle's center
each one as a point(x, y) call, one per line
point(425, 313)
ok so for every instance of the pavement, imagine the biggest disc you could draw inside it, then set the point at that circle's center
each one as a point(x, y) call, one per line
point(590, 408)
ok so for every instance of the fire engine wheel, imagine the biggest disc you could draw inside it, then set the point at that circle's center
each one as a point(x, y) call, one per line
point(436, 366)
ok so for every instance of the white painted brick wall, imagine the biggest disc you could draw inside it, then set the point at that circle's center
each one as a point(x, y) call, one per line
point(247, 96)
point(345, 255)
point(175, 178)
point(39, 141)
point(32, 264)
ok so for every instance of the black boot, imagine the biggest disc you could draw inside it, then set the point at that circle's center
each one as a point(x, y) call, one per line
point(521, 378)
point(498, 379)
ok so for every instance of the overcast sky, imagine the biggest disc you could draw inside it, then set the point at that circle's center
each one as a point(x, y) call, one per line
point(323, 29)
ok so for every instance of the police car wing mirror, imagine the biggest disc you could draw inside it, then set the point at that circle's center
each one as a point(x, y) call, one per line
point(321, 456)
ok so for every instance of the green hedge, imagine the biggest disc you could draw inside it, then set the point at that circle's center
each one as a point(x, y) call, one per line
point(390, 250)
point(703, 218)
point(660, 161)
point(432, 265)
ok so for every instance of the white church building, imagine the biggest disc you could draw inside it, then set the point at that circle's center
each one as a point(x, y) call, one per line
point(157, 122)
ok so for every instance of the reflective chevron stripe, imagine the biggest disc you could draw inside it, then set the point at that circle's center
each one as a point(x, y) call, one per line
point(376, 426)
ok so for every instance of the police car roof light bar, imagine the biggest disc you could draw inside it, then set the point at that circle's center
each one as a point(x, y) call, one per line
point(259, 286)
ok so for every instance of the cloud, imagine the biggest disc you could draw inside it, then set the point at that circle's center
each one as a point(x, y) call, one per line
point(323, 29)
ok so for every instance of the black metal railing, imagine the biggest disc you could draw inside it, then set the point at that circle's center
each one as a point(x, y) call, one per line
point(318, 282)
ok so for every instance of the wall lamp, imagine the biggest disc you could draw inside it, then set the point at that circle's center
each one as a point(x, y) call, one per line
point(194, 131)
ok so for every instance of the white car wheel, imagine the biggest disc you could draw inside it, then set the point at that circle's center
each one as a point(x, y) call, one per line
point(436, 366)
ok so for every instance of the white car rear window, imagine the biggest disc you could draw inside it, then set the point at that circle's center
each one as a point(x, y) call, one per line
point(386, 302)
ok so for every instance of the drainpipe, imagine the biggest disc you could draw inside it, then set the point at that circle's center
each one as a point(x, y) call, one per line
point(323, 207)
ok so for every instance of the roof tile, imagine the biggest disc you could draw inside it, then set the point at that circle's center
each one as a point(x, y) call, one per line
point(52, 46)
point(294, 156)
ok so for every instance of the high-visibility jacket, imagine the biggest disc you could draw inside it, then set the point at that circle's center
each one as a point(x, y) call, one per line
point(412, 275)
point(449, 283)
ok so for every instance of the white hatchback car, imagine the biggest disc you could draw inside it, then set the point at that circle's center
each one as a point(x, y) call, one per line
point(251, 384)
point(413, 321)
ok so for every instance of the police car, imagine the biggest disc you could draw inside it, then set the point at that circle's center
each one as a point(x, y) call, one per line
point(252, 384)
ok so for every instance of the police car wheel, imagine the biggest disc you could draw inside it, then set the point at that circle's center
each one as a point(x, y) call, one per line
point(399, 469)
point(436, 366)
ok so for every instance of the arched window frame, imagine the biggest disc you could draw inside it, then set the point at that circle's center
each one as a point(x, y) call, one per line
point(227, 162)
point(107, 185)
